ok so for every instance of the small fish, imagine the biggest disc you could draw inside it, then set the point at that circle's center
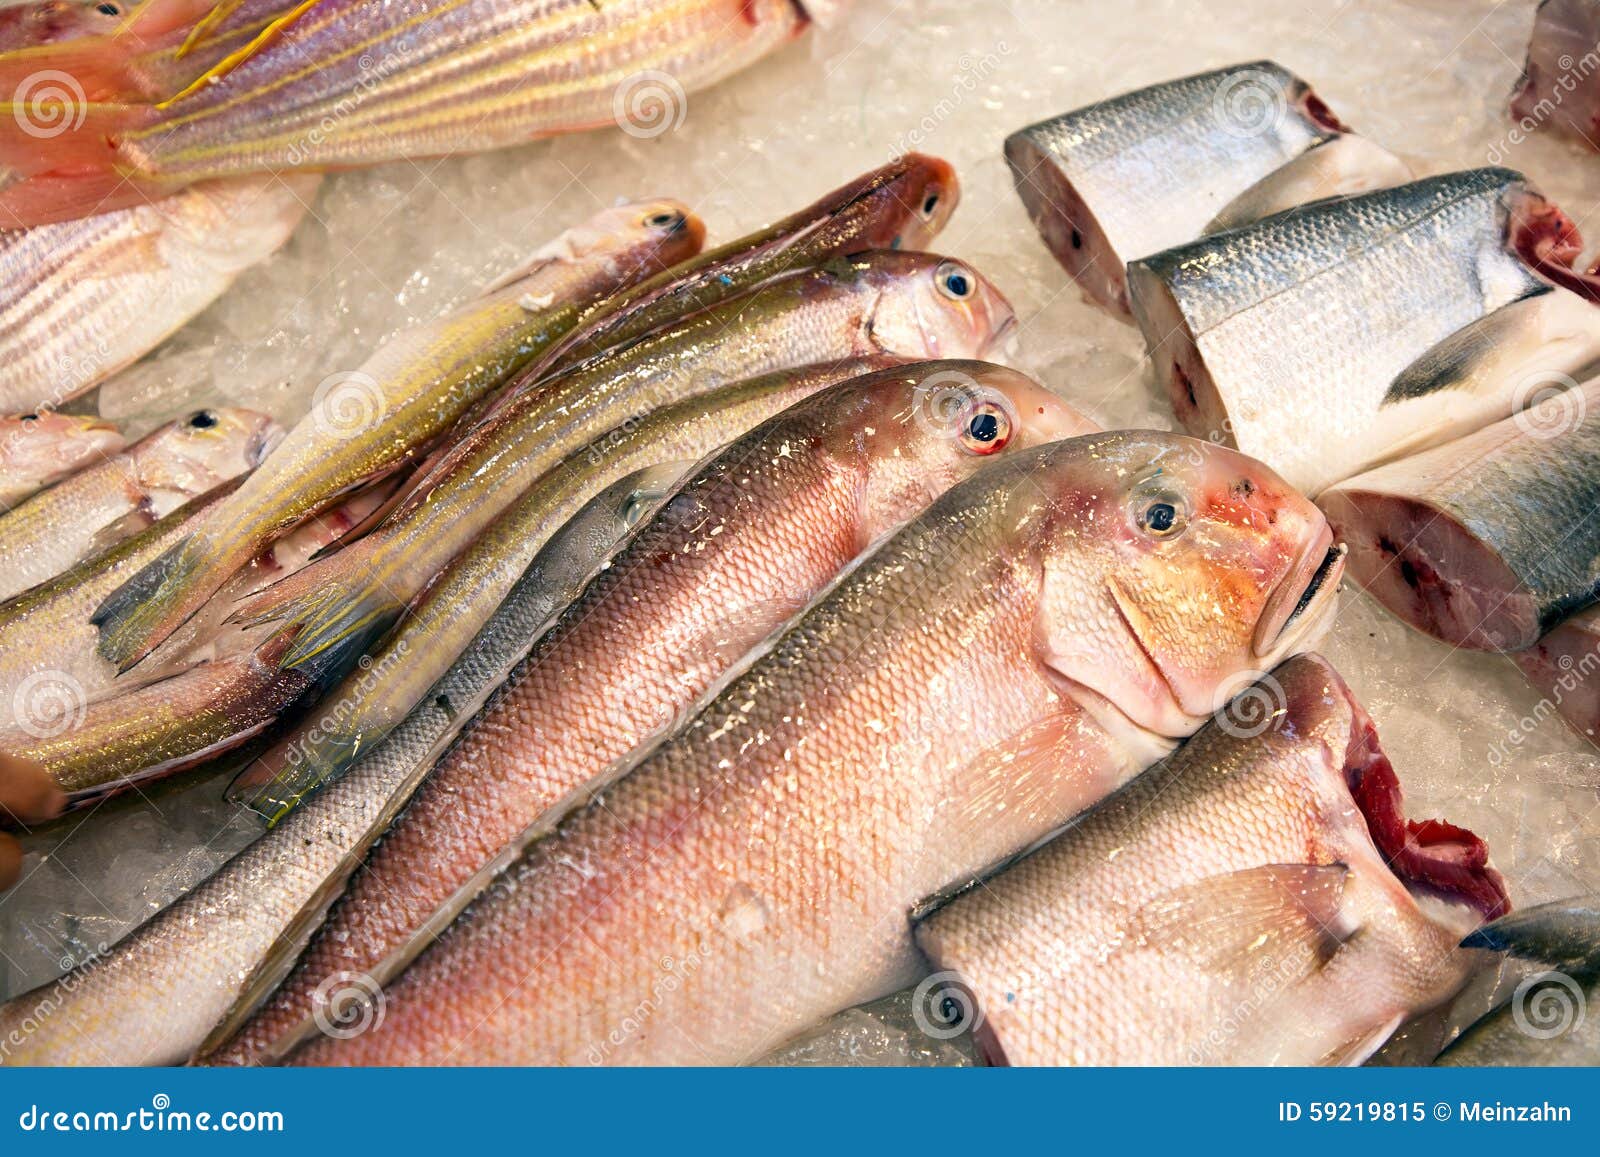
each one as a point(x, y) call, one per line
point(1161, 166)
point(372, 421)
point(81, 300)
point(901, 305)
point(1563, 666)
point(428, 640)
point(901, 205)
point(1550, 1018)
point(436, 77)
point(41, 448)
point(1434, 303)
point(744, 543)
point(1258, 899)
point(152, 998)
point(1488, 541)
point(97, 507)
point(1001, 662)
point(1560, 85)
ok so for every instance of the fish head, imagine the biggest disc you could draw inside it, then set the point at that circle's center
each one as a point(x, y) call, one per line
point(661, 231)
point(209, 446)
point(1176, 571)
point(47, 438)
point(925, 306)
point(914, 431)
point(909, 202)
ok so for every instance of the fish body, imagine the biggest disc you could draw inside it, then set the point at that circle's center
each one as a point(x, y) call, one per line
point(750, 536)
point(1435, 305)
point(152, 998)
point(1487, 541)
point(904, 305)
point(37, 449)
point(999, 663)
point(1549, 1019)
point(1560, 85)
point(1248, 902)
point(48, 533)
point(347, 83)
point(426, 642)
point(82, 299)
point(1562, 665)
point(1151, 169)
point(370, 422)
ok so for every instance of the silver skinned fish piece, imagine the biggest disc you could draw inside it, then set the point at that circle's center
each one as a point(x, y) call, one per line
point(1335, 336)
point(1158, 167)
point(1487, 541)
point(1265, 867)
point(152, 998)
point(779, 837)
point(1563, 667)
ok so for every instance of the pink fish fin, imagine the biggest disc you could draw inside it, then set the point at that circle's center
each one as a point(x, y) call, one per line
point(211, 17)
point(1354, 1052)
point(80, 172)
point(233, 60)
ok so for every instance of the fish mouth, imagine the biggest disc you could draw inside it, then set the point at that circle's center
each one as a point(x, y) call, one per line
point(1311, 584)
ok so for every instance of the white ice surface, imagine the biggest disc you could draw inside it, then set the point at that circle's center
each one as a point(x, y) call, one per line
point(388, 247)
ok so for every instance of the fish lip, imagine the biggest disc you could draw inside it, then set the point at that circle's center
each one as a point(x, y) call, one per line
point(264, 442)
point(1314, 576)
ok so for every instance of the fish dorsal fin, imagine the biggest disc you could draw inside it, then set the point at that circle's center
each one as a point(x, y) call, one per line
point(1454, 362)
point(234, 59)
point(1284, 915)
point(203, 27)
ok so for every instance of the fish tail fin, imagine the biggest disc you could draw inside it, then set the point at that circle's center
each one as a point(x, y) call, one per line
point(1563, 933)
point(333, 625)
point(138, 615)
point(275, 783)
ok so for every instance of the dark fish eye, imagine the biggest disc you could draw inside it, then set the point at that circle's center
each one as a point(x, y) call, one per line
point(202, 420)
point(929, 204)
point(1161, 518)
point(29, 418)
point(665, 220)
point(954, 281)
point(986, 428)
point(108, 10)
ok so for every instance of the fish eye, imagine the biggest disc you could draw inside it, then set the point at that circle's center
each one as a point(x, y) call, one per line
point(954, 281)
point(108, 10)
point(202, 420)
point(985, 428)
point(1162, 518)
point(665, 219)
point(930, 203)
point(29, 418)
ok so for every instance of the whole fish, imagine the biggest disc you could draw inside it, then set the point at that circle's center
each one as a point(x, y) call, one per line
point(40, 448)
point(95, 508)
point(1562, 667)
point(1550, 1018)
point(1258, 899)
point(1042, 632)
point(1434, 303)
point(47, 643)
point(369, 422)
point(904, 305)
point(426, 642)
point(1488, 541)
point(746, 541)
point(1142, 172)
point(901, 205)
point(82, 299)
point(1560, 85)
point(152, 998)
point(429, 78)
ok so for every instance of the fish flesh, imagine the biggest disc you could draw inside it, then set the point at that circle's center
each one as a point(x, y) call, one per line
point(408, 393)
point(1562, 666)
point(1258, 899)
point(1560, 85)
point(1488, 541)
point(743, 544)
point(1159, 167)
point(1550, 1018)
point(95, 508)
point(416, 654)
point(1038, 635)
point(83, 299)
point(904, 204)
point(152, 998)
point(1436, 303)
point(41, 448)
point(47, 643)
point(431, 78)
point(902, 305)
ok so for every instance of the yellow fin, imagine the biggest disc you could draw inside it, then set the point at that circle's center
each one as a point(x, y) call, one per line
point(234, 59)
